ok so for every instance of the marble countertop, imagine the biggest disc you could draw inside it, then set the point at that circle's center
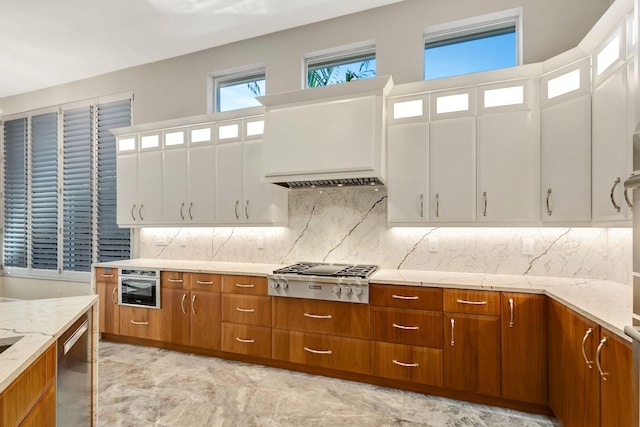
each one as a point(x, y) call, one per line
point(40, 323)
point(603, 301)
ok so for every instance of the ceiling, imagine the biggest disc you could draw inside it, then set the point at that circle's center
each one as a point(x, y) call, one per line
point(46, 43)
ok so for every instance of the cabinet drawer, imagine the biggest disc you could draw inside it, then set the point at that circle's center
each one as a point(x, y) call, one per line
point(107, 275)
point(407, 363)
point(244, 339)
point(474, 302)
point(173, 279)
point(246, 309)
point(141, 322)
point(247, 285)
point(205, 282)
point(327, 351)
point(325, 317)
point(402, 326)
point(407, 297)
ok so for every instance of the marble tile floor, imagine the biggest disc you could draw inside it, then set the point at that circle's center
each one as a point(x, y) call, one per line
point(142, 386)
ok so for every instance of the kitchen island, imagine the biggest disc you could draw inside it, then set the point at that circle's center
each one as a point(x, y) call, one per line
point(33, 327)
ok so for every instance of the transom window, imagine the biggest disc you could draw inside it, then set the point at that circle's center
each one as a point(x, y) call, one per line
point(239, 90)
point(471, 50)
point(340, 68)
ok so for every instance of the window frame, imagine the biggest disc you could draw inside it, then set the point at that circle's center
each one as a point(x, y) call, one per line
point(220, 81)
point(337, 58)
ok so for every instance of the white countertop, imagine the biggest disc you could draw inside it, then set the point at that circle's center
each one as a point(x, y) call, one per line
point(40, 323)
point(236, 268)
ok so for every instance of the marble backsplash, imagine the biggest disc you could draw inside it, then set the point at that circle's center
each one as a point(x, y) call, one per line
point(350, 226)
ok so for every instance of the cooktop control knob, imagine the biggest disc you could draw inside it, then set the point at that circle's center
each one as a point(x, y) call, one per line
point(274, 284)
point(346, 290)
point(358, 291)
point(336, 290)
point(283, 284)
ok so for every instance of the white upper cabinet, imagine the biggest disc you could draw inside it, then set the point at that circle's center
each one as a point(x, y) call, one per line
point(229, 183)
point(566, 144)
point(175, 185)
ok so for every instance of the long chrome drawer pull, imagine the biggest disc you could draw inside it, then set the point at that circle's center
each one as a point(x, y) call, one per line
point(133, 322)
point(240, 285)
point(73, 339)
point(204, 283)
point(175, 280)
point(404, 297)
point(108, 276)
point(406, 365)
point(603, 374)
point(461, 301)
point(410, 328)
point(587, 334)
point(246, 310)
point(245, 341)
point(318, 316)
point(310, 350)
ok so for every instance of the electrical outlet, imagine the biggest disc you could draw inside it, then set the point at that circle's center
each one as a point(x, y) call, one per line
point(528, 246)
point(260, 242)
point(433, 244)
point(161, 242)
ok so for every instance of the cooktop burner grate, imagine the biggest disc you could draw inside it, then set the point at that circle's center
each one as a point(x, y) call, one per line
point(328, 270)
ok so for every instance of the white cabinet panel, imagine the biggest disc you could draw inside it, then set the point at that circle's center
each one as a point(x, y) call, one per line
point(408, 186)
point(566, 161)
point(150, 209)
point(127, 189)
point(508, 167)
point(201, 208)
point(452, 168)
point(175, 186)
point(229, 182)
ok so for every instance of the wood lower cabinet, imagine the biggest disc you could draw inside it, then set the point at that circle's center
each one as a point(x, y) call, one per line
point(416, 297)
point(407, 363)
point(246, 339)
point(246, 309)
point(44, 413)
point(107, 290)
point(145, 323)
point(205, 320)
point(326, 351)
point(615, 382)
point(402, 326)
point(524, 347)
point(247, 285)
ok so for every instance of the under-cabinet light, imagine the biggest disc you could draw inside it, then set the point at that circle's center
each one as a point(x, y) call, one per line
point(127, 144)
point(452, 103)
point(565, 83)
point(201, 135)
point(228, 131)
point(402, 110)
point(504, 96)
point(149, 141)
point(608, 55)
point(255, 128)
point(174, 138)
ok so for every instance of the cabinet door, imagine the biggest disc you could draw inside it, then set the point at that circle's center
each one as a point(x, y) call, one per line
point(201, 208)
point(408, 177)
point(452, 170)
point(127, 189)
point(257, 203)
point(109, 308)
point(610, 146)
point(175, 316)
point(566, 160)
point(615, 385)
point(472, 353)
point(205, 319)
point(229, 197)
point(174, 187)
point(508, 167)
point(524, 348)
point(150, 209)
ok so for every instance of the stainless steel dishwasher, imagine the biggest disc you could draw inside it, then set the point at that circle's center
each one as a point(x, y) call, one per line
point(74, 375)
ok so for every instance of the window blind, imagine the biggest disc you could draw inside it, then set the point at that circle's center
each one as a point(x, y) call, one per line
point(15, 193)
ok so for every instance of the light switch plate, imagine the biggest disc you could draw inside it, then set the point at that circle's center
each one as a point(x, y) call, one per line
point(433, 244)
point(528, 246)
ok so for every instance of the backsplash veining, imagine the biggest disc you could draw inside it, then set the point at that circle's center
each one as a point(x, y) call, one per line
point(350, 225)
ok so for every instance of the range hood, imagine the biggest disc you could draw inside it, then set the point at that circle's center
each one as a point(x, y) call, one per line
point(332, 136)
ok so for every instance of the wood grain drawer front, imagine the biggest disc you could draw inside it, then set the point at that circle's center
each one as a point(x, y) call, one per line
point(402, 326)
point(245, 339)
point(407, 297)
point(325, 317)
point(327, 351)
point(141, 322)
point(173, 279)
point(407, 363)
point(205, 282)
point(107, 275)
point(246, 309)
point(473, 302)
point(246, 285)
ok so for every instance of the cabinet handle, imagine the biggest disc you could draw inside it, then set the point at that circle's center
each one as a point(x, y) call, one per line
point(484, 211)
point(246, 310)
point(246, 209)
point(462, 301)
point(113, 295)
point(181, 211)
point(237, 204)
point(406, 365)
point(453, 330)
point(203, 283)
point(408, 328)
point(587, 334)
point(613, 200)
point(182, 303)
point(603, 374)
point(421, 205)
point(190, 206)
point(437, 205)
point(248, 285)
point(318, 316)
point(133, 322)
point(175, 280)
point(511, 312)
point(193, 305)
point(133, 216)
point(107, 276)
point(405, 297)
point(626, 198)
point(140, 212)
point(244, 341)
point(548, 200)
point(310, 350)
